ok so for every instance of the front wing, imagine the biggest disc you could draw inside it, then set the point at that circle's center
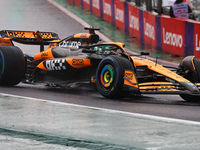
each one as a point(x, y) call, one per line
point(169, 88)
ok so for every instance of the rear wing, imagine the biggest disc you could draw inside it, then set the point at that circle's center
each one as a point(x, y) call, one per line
point(30, 37)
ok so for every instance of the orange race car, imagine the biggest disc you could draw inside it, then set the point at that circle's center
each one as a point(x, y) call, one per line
point(80, 59)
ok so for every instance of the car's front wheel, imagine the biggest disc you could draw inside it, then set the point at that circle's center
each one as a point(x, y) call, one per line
point(190, 69)
point(110, 76)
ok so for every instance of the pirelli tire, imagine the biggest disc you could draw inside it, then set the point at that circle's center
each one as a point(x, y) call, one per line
point(110, 76)
point(12, 65)
point(191, 64)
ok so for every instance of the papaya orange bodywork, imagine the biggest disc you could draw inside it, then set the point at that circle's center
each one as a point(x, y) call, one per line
point(82, 35)
point(5, 41)
point(47, 54)
point(131, 77)
point(157, 68)
point(41, 66)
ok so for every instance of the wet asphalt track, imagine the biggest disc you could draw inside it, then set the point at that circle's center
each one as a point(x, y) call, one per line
point(41, 15)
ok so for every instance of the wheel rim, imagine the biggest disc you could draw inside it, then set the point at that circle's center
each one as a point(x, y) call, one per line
point(106, 76)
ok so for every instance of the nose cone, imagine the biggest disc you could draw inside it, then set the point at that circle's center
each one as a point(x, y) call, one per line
point(190, 87)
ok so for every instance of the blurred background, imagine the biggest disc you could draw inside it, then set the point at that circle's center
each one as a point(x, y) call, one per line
point(163, 6)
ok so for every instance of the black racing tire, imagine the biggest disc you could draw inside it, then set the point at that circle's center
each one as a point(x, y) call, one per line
point(12, 65)
point(109, 76)
point(197, 66)
point(192, 65)
point(193, 76)
point(190, 98)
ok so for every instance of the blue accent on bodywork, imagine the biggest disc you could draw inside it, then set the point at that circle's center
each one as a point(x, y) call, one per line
point(29, 55)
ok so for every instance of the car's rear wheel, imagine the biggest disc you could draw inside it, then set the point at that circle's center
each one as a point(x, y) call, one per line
point(109, 76)
point(191, 66)
point(12, 65)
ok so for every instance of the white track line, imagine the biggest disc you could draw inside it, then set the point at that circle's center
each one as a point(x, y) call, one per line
point(85, 24)
point(82, 22)
point(142, 116)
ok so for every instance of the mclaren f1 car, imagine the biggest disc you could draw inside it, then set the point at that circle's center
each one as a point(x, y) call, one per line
point(81, 59)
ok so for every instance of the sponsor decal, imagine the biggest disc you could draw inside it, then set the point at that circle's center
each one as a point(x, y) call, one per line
point(83, 35)
point(172, 39)
point(16, 34)
point(149, 30)
point(119, 15)
point(78, 62)
point(134, 22)
point(107, 9)
point(140, 70)
point(20, 34)
point(55, 64)
point(129, 76)
point(197, 45)
point(44, 54)
point(96, 4)
point(87, 1)
point(5, 42)
point(46, 35)
point(71, 44)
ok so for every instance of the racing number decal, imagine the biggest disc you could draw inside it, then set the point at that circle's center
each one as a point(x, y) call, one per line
point(55, 64)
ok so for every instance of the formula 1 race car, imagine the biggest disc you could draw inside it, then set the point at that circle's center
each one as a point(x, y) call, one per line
point(80, 59)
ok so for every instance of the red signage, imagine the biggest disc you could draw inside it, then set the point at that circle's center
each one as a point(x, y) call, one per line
point(107, 11)
point(70, 2)
point(149, 23)
point(86, 5)
point(134, 22)
point(119, 14)
point(77, 3)
point(173, 35)
point(96, 8)
point(197, 40)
